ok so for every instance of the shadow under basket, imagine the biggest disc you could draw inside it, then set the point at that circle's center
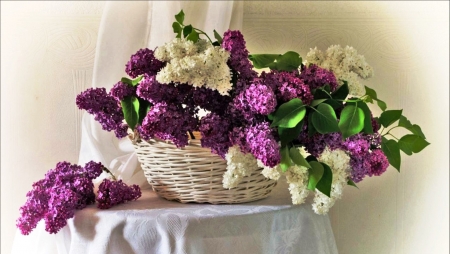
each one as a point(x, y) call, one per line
point(194, 174)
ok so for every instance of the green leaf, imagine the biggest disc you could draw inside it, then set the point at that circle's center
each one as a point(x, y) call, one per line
point(414, 142)
point(127, 81)
point(334, 103)
point(315, 174)
point(144, 107)
point(367, 115)
point(341, 93)
point(270, 116)
point(289, 114)
point(311, 158)
point(216, 44)
point(136, 81)
point(324, 119)
point(311, 129)
point(320, 93)
point(417, 130)
point(262, 60)
point(404, 122)
point(324, 185)
point(289, 61)
point(370, 92)
point(285, 159)
point(177, 28)
point(317, 102)
point(180, 17)
point(130, 108)
point(389, 117)
point(350, 182)
point(414, 128)
point(187, 30)
point(193, 36)
point(381, 104)
point(373, 95)
point(405, 147)
point(218, 37)
point(298, 158)
point(289, 134)
point(351, 121)
point(392, 151)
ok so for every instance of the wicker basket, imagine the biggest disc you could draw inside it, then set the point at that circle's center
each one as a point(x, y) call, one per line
point(194, 174)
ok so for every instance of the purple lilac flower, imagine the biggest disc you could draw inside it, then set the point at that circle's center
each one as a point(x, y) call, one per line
point(360, 166)
point(316, 77)
point(358, 144)
point(287, 86)
point(317, 143)
point(143, 62)
point(111, 193)
point(210, 100)
point(378, 163)
point(238, 137)
point(121, 90)
point(153, 91)
point(261, 142)
point(257, 98)
point(55, 198)
point(169, 122)
point(233, 42)
point(214, 130)
point(104, 107)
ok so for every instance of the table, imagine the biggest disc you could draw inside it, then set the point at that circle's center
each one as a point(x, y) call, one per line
point(154, 225)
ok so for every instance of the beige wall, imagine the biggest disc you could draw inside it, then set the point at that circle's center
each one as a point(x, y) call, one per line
point(47, 57)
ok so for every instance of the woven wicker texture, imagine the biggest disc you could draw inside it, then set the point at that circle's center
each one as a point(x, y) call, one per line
point(194, 174)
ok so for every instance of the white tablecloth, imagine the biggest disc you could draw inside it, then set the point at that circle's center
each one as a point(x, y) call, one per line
point(154, 225)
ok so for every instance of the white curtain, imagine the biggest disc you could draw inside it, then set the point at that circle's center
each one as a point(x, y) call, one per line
point(125, 28)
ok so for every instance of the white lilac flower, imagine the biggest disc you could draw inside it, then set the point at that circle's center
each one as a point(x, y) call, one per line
point(339, 162)
point(346, 65)
point(273, 173)
point(239, 165)
point(198, 64)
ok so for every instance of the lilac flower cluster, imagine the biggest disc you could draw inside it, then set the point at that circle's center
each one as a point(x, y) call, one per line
point(105, 108)
point(122, 90)
point(233, 42)
point(214, 130)
point(155, 92)
point(257, 99)
point(56, 197)
point(287, 86)
point(169, 122)
point(143, 62)
point(111, 193)
point(316, 77)
point(65, 189)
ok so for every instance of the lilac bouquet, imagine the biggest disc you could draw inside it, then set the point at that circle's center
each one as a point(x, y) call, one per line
point(307, 120)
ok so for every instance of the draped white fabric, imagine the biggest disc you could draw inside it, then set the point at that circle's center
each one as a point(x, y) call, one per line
point(151, 224)
point(154, 225)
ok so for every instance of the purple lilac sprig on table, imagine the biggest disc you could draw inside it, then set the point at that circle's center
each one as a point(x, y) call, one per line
point(111, 193)
point(64, 189)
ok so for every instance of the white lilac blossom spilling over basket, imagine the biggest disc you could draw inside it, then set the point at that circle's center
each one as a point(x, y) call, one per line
point(307, 120)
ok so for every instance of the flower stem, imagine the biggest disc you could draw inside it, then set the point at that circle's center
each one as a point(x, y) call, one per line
point(109, 172)
point(201, 32)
